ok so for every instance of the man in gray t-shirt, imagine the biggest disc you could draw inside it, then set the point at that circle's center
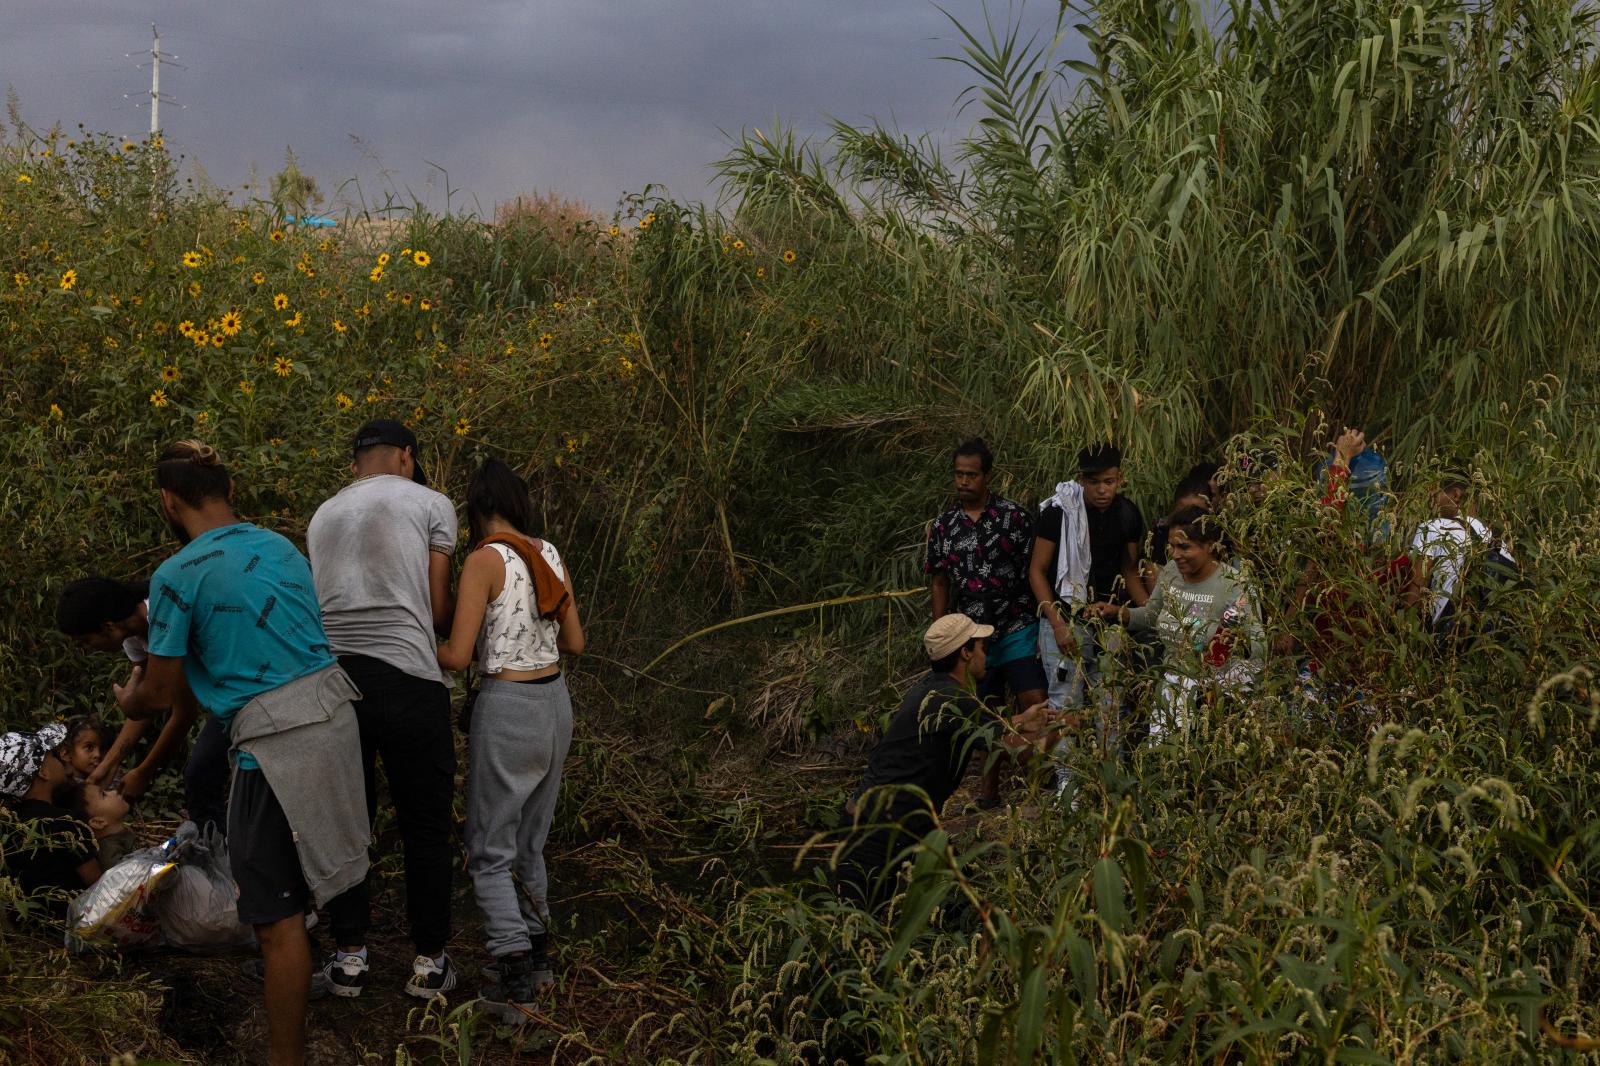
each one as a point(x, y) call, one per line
point(380, 556)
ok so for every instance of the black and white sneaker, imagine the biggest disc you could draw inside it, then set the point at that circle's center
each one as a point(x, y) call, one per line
point(429, 980)
point(346, 975)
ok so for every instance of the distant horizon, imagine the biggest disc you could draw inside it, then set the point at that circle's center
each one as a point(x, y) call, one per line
point(588, 102)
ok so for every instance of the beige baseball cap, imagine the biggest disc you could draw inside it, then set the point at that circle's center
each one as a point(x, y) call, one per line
point(951, 633)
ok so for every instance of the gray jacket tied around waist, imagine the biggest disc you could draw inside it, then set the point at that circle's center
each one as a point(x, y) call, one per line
point(305, 737)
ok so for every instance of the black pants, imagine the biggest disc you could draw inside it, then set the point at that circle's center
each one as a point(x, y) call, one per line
point(405, 721)
point(206, 775)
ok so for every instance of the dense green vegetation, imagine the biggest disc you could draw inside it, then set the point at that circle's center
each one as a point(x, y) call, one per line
point(1267, 219)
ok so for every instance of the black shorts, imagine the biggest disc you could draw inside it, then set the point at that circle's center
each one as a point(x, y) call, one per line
point(261, 852)
point(1013, 678)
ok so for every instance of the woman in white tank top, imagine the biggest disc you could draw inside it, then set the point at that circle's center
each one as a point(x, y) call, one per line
point(520, 733)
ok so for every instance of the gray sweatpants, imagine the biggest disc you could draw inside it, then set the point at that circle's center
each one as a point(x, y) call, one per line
point(519, 738)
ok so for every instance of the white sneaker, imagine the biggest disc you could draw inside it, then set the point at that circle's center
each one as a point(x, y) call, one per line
point(346, 975)
point(429, 980)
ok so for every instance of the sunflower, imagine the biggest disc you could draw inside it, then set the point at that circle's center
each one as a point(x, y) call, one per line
point(545, 340)
point(789, 256)
point(280, 301)
point(421, 258)
point(293, 320)
point(405, 298)
point(186, 327)
point(170, 373)
point(613, 230)
point(247, 386)
point(200, 337)
point(55, 411)
point(462, 427)
point(364, 310)
point(344, 402)
point(339, 327)
point(258, 277)
point(376, 274)
point(761, 272)
point(202, 418)
point(194, 288)
point(191, 259)
point(282, 366)
point(275, 236)
point(418, 411)
point(23, 179)
point(738, 246)
point(21, 279)
point(69, 279)
point(231, 323)
point(383, 259)
point(426, 305)
point(158, 328)
point(158, 398)
point(217, 340)
point(128, 146)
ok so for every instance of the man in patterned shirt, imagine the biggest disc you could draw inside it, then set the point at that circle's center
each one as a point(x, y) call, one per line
point(977, 563)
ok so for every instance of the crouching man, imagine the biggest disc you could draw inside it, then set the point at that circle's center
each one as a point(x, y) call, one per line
point(923, 755)
point(234, 613)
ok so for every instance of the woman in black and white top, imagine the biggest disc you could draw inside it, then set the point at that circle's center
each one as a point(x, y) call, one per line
point(521, 726)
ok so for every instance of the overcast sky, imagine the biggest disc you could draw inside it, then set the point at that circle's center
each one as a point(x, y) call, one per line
point(591, 98)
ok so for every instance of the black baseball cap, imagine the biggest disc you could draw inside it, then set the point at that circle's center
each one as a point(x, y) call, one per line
point(388, 431)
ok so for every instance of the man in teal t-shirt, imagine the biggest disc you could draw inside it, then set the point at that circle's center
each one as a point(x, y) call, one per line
point(234, 615)
point(238, 605)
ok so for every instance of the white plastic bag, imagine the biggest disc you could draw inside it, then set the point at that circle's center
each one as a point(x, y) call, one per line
point(199, 908)
point(118, 908)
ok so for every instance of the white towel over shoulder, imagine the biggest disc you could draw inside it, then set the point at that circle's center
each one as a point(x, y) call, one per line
point(1072, 550)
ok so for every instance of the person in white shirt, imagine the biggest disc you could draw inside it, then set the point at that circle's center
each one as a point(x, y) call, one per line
point(1441, 546)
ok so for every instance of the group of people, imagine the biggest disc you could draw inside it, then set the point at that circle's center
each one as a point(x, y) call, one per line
point(1042, 621)
point(311, 673)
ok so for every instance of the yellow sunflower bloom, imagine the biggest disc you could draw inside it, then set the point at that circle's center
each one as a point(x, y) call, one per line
point(158, 328)
point(200, 337)
point(738, 246)
point(194, 288)
point(202, 418)
point(761, 272)
point(275, 236)
point(405, 298)
point(376, 274)
point(339, 327)
point(55, 411)
point(21, 279)
point(383, 259)
point(293, 320)
point(280, 302)
point(282, 366)
point(128, 146)
point(789, 256)
point(217, 340)
point(231, 323)
point(170, 373)
point(69, 279)
point(158, 398)
point(426, 305)
point(185, 327)
point(421, 258)
point(613, 230)
point(23, 179)
point(462, 427)
point(247, 387)
point(545, 340)
point(258, 277)
point(191, 259)
point(344, 402)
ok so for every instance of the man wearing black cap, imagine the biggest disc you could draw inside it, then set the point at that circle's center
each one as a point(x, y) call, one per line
point(380, 554)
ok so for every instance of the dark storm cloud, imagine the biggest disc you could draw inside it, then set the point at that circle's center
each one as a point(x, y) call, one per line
point(586, 97)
